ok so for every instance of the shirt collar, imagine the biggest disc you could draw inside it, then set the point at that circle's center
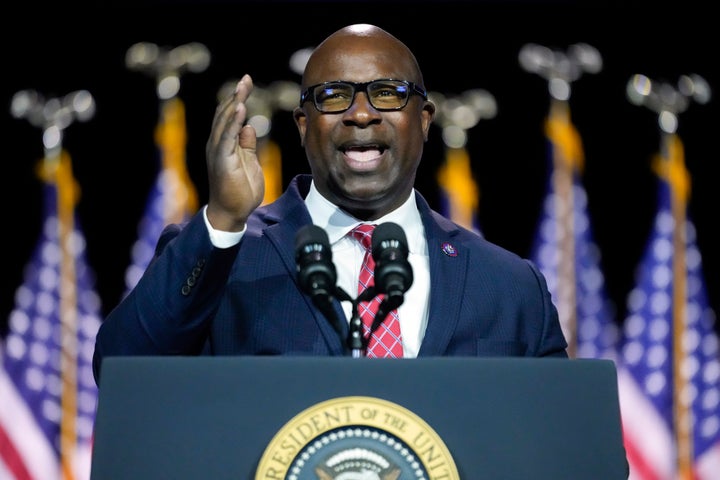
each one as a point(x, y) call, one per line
point(337, 223)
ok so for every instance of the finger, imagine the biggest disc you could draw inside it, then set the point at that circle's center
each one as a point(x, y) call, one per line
point(229, 131)
point(243, 88)
point(230, 115)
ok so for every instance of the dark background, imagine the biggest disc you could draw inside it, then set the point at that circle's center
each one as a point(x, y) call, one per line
point(460, 46)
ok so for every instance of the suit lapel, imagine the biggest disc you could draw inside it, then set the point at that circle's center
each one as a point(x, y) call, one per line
point(448, 273)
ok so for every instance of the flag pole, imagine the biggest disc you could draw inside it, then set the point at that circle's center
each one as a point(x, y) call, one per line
point(668, 101)
point(53, 116)
point(560, 69)
point(565, 165)
point(456, 115)
point(67, 193)
point(673, 169)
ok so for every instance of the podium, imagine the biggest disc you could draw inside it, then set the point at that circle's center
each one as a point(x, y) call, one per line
point(297, 418)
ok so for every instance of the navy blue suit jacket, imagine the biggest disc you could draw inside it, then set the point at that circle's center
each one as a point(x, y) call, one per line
point(196, 299)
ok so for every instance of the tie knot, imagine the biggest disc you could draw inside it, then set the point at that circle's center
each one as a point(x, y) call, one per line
point(363, 234)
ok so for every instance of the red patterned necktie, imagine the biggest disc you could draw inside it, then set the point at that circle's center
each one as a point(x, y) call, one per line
point(386, 340)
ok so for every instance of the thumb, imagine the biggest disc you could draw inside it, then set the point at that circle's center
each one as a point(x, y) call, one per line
point(247, 138)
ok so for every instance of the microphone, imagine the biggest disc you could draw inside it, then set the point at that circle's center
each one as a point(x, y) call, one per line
point(315, 269)
point(393, 273)
point(317, 277)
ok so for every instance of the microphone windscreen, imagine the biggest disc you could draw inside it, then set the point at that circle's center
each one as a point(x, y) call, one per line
point(309, 235)
point(389, 234)
point(313, 258)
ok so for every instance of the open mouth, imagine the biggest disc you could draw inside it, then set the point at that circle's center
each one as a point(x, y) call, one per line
point(363, 154)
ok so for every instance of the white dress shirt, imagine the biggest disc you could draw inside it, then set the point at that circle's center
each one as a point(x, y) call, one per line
point(348, 256)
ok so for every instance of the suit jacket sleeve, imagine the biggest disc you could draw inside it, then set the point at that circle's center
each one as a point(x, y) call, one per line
point(169, 310)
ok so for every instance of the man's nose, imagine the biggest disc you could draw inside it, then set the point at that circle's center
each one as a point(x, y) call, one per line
point(361, 111)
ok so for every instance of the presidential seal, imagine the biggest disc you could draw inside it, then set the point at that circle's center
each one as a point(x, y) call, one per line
point(356, 438)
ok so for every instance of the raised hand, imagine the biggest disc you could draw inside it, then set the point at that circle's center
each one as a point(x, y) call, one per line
point(236, 181)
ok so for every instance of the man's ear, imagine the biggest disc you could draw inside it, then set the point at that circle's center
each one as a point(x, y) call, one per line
point(301, 123)
point(428, 115)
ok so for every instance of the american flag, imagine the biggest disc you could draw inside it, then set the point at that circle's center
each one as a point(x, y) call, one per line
point(459, 193)
point(669, 383)
point(564, 248)
point(173, 198)
point(47, 392)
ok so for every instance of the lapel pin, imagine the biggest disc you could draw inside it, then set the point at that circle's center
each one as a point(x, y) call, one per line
point(449, 250)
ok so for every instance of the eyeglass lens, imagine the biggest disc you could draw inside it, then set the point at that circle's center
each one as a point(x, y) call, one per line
point(383, 95)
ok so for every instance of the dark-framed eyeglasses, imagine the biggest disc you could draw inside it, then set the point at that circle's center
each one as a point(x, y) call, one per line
point(384, 94)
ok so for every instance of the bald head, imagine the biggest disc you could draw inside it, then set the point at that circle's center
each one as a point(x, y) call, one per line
point(354, 44)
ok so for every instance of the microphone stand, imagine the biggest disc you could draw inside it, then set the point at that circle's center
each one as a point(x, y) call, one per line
point(356, 342)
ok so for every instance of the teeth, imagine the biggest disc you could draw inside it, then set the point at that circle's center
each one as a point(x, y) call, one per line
point(363, 155)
